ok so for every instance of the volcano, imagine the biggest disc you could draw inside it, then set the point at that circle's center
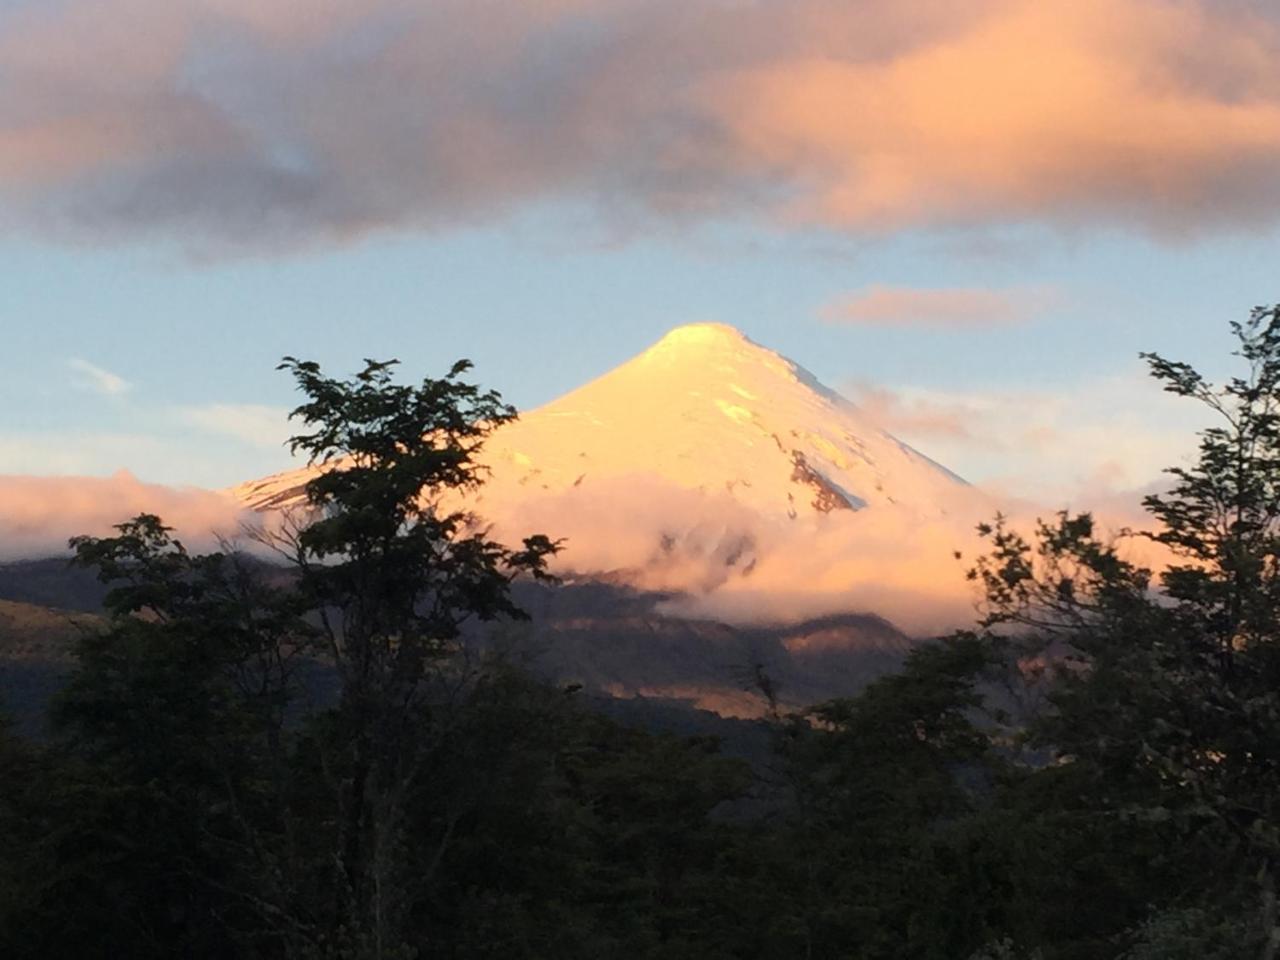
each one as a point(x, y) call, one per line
point(708, 410)
point(709, 464)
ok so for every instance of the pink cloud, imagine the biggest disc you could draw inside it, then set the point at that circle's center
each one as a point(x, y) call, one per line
point(1159, 113)
point(39, 514)
point(916, 416)
point(724, 562)
point(251, 125)
point(728, 562)
point(721, 559)
point(1101, 437)
point(956, 307)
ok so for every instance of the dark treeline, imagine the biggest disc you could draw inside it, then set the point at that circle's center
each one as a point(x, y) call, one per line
point(1092, 772)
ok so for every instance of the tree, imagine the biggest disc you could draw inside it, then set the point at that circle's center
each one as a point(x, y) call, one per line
point(392, 571)
point(1167, 692)
point(275, 828)
point(878, 782)
point(159, 795)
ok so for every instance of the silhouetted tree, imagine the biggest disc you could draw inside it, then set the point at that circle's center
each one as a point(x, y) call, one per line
point(392, 571)
point(1167, 697)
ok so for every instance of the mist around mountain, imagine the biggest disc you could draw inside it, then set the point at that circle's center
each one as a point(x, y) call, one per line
point(708, 468)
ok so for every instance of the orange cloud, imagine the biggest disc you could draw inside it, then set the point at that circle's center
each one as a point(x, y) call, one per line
point(952, 307)
point(718, 558)
point(916, 416)
point(39, 514)
point(250, 124)
point(724, 562)
point(1164, 113)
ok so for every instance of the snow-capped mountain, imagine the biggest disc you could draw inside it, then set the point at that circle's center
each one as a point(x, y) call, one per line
point(710, 461)
point(705, 409)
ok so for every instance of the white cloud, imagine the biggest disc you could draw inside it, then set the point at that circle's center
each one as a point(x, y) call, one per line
point(97, 379)
point(1075, 443)
point(962, 308)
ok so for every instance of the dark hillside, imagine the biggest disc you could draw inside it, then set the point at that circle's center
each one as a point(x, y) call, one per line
point(35, 657)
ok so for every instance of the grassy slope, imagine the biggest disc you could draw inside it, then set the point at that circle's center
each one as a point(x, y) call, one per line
point(35, 655)
point(30, 632)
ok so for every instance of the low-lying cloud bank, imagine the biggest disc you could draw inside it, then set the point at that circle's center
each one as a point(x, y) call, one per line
point(734, 565)
point(725, 562)
point(245, 125)
point(39, 514)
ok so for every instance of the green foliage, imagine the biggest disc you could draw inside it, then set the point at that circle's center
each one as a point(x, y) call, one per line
point(1003, 949)
point(879, 783)
point(1193, 934)
point(1166, 698)
point(391, 573)
point(381, 547)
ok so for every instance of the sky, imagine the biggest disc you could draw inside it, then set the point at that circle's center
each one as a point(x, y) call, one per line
point(970, 218)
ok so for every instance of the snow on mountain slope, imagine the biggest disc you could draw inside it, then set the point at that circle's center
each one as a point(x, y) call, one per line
point(709, 464)
point(707, 409)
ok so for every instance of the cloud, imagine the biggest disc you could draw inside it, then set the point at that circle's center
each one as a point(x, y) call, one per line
point(717, 557)
point(248, 126)
point(39, 514)
point(258, 425)
point(954, 307)
point(722, 561)
point(1096, 440)
point(97, 379)
point(918, 414)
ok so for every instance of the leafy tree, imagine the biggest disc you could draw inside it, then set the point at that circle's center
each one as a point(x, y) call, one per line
point(879, 781)
point(392, 572)
point(262, 826)
point(155, 794)
point(1167, 696)
point(580, 838)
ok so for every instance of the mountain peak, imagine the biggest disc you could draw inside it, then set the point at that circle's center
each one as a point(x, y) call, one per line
point(702, 335)
point(708, 411)
point(699, 342)
point(706, 461)
point(700, 353)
